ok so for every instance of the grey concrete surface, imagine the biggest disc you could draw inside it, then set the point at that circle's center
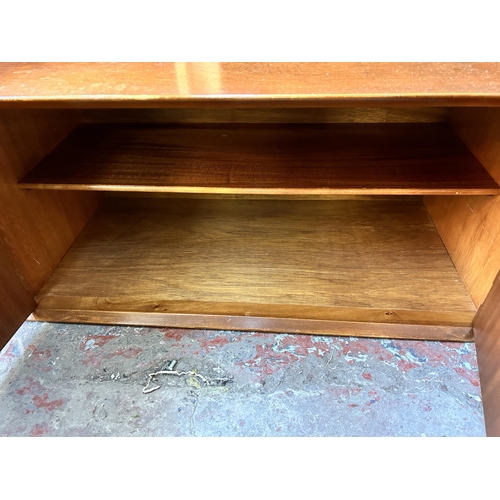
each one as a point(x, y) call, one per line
point(88, 380)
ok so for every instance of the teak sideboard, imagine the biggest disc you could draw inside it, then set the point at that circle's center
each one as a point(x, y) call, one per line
point(319, 198)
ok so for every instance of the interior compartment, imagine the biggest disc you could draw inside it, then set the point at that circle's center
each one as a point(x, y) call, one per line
point(372, 260)
point(277, 226)
point(362, 158)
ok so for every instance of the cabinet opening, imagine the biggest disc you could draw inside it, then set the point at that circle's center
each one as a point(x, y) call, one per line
point(371, 266)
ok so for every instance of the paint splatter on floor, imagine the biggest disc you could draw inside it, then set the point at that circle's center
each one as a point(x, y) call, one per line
point(87, 380)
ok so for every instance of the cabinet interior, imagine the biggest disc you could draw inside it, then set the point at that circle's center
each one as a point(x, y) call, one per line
point(297, 220)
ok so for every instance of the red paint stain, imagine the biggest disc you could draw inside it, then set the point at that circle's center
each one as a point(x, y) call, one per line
point(33, 387)
point(42, 402)
point(267, 360)
point(303, 345)
point(355, 346)
point(353, 405)
point(426, 407)
point(214, 342)
point(276, 351)
point(461, 371)
point(432, 352)
point(96, 358)
point(9, 352)
point(374, 397)
point(130, 352)
point(40, 358)
point(172, 334)
point(355, 390)
point(338, 391)
point(96, 341)
point(367, 376)
point(383, 353)
point(278, 429)
point(404, 365)
point(369, 347)
point(470, 376)
point(469, 358)
point(39, 430)
point(144, 331)
point(452, 345)
point(39, 355)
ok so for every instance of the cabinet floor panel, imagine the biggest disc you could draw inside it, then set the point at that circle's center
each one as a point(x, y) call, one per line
point(324, 159)
point(345, 267)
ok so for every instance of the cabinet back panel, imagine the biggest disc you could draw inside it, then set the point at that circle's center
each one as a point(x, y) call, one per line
point(266, 115)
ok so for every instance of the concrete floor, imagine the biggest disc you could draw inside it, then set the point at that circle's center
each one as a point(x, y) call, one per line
point(88, 380)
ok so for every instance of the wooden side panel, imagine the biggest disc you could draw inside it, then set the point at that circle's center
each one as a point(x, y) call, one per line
point(16, 303)
point(470, 225)
point(486, 328)
point(36, 228)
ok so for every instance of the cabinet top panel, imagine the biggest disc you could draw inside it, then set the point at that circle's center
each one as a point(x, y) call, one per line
point(74, 85)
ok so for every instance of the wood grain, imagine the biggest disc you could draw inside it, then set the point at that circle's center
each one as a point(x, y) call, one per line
point(347, 261)
point(36, 227)
point(245, 84)
point(16, 303)
point(265, 115)
point(470, 225)
point(264, 159)
point(245, 308)
point(486, 327)
point(263, 324)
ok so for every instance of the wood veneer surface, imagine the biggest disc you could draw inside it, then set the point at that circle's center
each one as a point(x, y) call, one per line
point(36, 228)
point(470, 225)
point(273, 159)
point(265, 115)
point(16, 303)
point(240, 84)
point(487, 338)
point(372, 262)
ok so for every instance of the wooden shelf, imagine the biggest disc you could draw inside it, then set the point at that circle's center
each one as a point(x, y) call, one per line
point(328, 267)
point(421, 158)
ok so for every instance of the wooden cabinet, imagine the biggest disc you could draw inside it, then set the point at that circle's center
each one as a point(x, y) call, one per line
point(340, 199)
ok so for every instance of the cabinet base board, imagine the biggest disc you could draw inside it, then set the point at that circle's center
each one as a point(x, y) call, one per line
point(262, 324)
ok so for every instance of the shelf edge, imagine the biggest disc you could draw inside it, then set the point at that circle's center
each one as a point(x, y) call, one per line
point(255, 323)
